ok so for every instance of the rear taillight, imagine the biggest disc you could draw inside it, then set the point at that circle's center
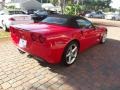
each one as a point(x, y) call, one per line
point(42, 39)
point(38, 37)
point(11, 19)
point(34, 37)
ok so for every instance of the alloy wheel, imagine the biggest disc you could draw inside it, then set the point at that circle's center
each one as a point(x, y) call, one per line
point(71, 54)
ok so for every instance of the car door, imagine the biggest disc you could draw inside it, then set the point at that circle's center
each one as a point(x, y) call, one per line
point(89, 34)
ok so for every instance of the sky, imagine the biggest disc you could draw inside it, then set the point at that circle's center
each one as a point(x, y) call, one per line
point(114, 4)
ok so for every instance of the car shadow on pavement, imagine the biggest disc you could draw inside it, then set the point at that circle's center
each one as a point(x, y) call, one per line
point(98, 68)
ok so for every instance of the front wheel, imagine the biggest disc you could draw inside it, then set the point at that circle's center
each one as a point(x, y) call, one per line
point(70, 54)
point(104, 38)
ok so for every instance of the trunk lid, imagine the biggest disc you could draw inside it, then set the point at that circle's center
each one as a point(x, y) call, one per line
point(42, 27)
point(21, 17)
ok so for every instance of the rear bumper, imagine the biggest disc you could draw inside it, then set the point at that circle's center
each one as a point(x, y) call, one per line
point(45, 52)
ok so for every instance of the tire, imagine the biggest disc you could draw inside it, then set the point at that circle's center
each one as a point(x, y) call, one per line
point(70, 53)
point(5, 28)
point(91, 16)
point(103, 39)
point(21, 52)
point(103, 17)
point(113, 18)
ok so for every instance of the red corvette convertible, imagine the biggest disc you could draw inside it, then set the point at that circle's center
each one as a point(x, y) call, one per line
point(57, 39)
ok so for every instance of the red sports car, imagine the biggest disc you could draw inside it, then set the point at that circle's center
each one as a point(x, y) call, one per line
point(57, 39)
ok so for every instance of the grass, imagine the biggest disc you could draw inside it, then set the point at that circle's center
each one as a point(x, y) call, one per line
point(4, 34)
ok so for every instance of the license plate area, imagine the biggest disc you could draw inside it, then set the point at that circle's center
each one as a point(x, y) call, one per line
point(22, 43)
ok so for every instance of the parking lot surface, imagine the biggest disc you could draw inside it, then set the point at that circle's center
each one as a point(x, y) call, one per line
point(98, 68)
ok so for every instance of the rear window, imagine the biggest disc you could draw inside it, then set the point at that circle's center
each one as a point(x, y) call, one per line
point(55, 20)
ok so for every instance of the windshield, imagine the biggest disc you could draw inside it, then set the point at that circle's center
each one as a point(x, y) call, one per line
point(55, 20)
point(41, 12)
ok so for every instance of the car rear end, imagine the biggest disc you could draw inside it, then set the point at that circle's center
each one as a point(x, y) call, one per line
point(22, 19)
point(35, 44)
point(16, 19)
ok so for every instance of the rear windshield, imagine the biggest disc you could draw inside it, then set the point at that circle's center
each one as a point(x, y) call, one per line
point(55, 20)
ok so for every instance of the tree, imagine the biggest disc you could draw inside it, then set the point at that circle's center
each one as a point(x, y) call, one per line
point(96, 4)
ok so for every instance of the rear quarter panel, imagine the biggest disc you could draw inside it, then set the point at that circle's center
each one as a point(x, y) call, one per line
point(59, 40)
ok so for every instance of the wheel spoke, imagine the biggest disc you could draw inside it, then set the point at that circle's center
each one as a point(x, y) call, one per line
point(69, 60)
point(74, 49)
point(71, 53)
point(68, 54)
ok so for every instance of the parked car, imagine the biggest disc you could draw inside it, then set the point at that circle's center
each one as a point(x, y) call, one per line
point(112, 16)
point(12, 17)
point(97, 14)
point(57, 39)
point(41, 14)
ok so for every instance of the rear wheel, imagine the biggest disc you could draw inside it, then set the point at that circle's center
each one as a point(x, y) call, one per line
point(91, 16)
point(70, 54)
point(5, 28)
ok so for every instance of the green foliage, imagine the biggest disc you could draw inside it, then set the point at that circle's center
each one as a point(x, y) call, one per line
point(96, 4)
point(53, 1)
point(11, 7)
point(72, 9)
point(84, 5)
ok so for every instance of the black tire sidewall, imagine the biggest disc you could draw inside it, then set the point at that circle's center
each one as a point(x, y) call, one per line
point(63, 62)
point(5, 28)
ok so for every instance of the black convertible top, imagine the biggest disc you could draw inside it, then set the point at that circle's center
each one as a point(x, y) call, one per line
point(65, 16)
point(71, 20)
